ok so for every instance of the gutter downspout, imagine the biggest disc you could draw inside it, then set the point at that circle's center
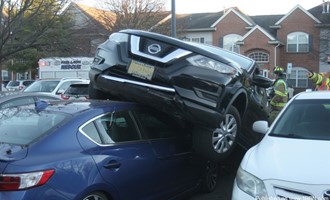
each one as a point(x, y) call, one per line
point(275, 50)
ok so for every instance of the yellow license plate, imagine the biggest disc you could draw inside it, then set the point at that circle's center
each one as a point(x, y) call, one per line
point(141, 70)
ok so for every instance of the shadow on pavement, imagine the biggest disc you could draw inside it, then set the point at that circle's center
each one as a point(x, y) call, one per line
point(227, 173)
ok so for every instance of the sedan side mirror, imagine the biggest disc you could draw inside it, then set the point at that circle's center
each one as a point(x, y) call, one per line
point(260, 127)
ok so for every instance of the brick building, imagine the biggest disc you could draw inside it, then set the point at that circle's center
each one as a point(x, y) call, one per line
point(298, 40)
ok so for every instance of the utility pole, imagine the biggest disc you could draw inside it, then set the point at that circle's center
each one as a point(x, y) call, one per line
point(173, 24)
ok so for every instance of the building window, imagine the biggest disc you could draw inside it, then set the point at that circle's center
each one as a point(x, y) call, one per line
point(229, 42)
point(198, 39)
point(297, 78)
point(259, 56)
point(194, 39)
point(298, 42)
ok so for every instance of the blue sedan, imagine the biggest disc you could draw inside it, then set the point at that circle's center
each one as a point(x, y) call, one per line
point(100, 150)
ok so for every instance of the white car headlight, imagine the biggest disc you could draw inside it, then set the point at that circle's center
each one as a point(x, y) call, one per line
point(251, 184)
point(205, 62)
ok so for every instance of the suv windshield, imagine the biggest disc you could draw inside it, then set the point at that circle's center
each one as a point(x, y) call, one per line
point(308, 119)
point(22, 126)
point(42, 86)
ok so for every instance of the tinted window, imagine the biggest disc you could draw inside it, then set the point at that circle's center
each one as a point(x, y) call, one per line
point(157, 125)
point(22, 126)
point(26, 83)
point(77, 89)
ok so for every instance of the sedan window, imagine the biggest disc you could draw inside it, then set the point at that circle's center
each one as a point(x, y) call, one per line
point(112, 128)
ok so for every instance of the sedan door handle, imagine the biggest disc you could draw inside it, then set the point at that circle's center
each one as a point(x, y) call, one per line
point(112, 165)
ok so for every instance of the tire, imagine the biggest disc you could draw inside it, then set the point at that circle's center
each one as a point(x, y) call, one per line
point(96, 196)
point(210, 177)
point(95, 93)
point(217, 143)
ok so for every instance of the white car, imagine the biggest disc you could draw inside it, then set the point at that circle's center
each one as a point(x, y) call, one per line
point(53, 86)
point(292, 160)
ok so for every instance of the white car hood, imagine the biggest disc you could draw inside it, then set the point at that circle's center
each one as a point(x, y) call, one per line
point(295, 160)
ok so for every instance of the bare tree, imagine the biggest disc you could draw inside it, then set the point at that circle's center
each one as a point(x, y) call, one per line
point(134, 14)
point(26, 24)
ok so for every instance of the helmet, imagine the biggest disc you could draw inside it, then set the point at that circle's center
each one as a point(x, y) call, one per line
point(279, 70)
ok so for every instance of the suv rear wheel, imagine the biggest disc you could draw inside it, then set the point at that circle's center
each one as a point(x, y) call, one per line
point(217, 143)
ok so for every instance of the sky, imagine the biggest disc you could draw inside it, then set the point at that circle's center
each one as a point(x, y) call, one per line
point(250, 7)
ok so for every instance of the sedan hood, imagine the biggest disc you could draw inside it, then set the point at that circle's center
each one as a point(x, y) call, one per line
point(10, 152)
point(286, 159)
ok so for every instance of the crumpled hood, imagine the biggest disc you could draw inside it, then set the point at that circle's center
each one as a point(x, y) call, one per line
point(11, 152)
point(295, 160)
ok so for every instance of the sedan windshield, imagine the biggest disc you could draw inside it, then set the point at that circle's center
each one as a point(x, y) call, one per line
point(306, 119)
point(21, 126)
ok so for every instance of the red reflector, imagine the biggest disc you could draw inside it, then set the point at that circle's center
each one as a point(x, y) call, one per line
point(63, 96)
point(45, 177)
point(9, 182)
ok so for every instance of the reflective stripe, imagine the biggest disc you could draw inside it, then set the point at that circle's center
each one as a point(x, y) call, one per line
point(280, 104)
point(280, 93)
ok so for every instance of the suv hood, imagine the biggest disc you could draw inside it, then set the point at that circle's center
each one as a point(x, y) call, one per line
point(288, 159)
point(11, 152)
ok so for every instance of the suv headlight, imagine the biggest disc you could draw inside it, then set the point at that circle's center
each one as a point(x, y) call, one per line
point(205, 62)
point(251, 184)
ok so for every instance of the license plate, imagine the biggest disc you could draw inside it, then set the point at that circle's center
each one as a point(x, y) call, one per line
point(141, 70)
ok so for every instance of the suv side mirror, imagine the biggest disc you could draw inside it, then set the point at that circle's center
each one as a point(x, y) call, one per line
point(262, 81)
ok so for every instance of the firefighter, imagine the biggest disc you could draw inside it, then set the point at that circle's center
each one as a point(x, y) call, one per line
point(280, 93)
point(321, 80)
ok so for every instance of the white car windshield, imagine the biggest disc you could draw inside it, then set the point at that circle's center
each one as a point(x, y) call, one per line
point(306, 119)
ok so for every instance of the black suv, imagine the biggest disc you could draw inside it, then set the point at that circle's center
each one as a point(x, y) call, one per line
point(218, 92)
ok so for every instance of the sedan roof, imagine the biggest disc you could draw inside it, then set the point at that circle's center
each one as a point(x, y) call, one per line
point(75, 107)
point(313, 95)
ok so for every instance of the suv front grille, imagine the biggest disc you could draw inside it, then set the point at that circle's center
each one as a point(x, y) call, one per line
point(156, 51)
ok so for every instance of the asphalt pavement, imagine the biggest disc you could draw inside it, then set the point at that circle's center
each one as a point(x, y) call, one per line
point(227, 173)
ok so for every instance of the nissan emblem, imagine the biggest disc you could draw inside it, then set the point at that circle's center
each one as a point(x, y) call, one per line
point(154, 48)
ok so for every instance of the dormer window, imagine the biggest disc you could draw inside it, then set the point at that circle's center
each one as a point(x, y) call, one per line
point(326, 6)
point(298, 42)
